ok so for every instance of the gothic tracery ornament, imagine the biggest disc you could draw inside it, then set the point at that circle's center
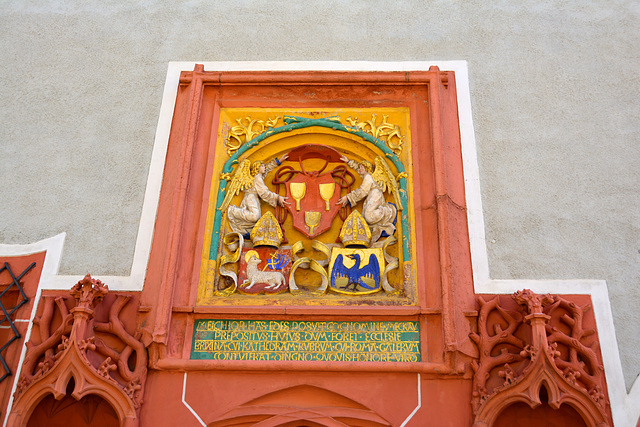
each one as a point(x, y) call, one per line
point(546, 346)
point(116, 372)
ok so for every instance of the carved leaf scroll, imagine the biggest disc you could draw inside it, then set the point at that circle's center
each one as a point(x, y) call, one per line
point(385, 131)
point(248, 128)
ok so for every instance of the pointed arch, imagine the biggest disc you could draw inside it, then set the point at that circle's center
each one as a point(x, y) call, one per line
point(562, 388)
point(86, 383)
point(291, 406)
point(61, 365)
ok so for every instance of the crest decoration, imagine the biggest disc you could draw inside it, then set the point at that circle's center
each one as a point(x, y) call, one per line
point(314, 192)
point(315, 189)
point(355, 231)
point(267, 231)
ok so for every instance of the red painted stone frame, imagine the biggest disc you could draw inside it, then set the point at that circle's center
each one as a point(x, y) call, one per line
point(445, 305)
point(443, 260)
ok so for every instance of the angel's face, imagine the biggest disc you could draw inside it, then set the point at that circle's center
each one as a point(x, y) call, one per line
point(262, 169)
point(362, 170)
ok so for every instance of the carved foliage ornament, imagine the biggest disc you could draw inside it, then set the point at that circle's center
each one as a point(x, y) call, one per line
point(248, 128)
point(543, 344)
point(102, 357)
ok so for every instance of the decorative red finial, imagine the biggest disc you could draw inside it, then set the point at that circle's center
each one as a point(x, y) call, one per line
point(533, 301)
point(88, 291)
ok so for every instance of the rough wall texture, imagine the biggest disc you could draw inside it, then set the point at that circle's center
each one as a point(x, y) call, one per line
point(554, 88)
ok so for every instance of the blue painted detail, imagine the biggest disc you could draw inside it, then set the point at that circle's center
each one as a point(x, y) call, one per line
point(395, 220)
point(278, 263)
point(355, 274)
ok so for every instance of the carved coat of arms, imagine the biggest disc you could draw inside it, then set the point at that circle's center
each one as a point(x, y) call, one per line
point(264, 269)
point(321, 212)
point(356, 271)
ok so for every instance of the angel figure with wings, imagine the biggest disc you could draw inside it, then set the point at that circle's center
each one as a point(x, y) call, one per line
point(249, 177)
point(379, 214)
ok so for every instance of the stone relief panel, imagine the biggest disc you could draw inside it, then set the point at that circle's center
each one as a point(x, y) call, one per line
point(313, 204)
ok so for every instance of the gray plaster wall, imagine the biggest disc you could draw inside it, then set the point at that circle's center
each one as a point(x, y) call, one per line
point(554, 90)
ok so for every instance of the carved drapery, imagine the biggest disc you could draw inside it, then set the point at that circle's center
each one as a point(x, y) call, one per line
point(544, 344)
point(111, 364)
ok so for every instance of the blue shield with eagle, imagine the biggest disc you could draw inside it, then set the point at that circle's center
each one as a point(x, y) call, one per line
point(356, 271)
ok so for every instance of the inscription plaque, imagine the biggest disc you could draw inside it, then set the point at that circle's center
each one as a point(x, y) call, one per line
point(397, 341)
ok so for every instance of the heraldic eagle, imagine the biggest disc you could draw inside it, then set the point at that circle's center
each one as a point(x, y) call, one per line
point(368, 276)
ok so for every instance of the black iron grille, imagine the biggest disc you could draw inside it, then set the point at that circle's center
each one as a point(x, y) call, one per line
point(7, 312)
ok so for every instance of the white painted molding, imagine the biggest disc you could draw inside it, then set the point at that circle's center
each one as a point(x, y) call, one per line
point(624, 407)
point(419, 405)
point(184, 402)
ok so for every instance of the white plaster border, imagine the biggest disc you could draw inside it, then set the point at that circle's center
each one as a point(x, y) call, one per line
point(624, 407)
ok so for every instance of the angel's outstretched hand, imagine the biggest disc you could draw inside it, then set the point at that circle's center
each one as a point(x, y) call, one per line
point(283, 201)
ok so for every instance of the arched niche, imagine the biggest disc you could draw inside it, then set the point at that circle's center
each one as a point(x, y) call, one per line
point(302, 405)
point(71, 394)
point(521, 414)
point(91, 410)
point(72, 379)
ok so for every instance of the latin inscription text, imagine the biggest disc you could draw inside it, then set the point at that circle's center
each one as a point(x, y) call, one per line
point(306, 341)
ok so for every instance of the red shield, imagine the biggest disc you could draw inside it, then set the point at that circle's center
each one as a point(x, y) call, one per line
point(313, 202)
point(264, 269)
